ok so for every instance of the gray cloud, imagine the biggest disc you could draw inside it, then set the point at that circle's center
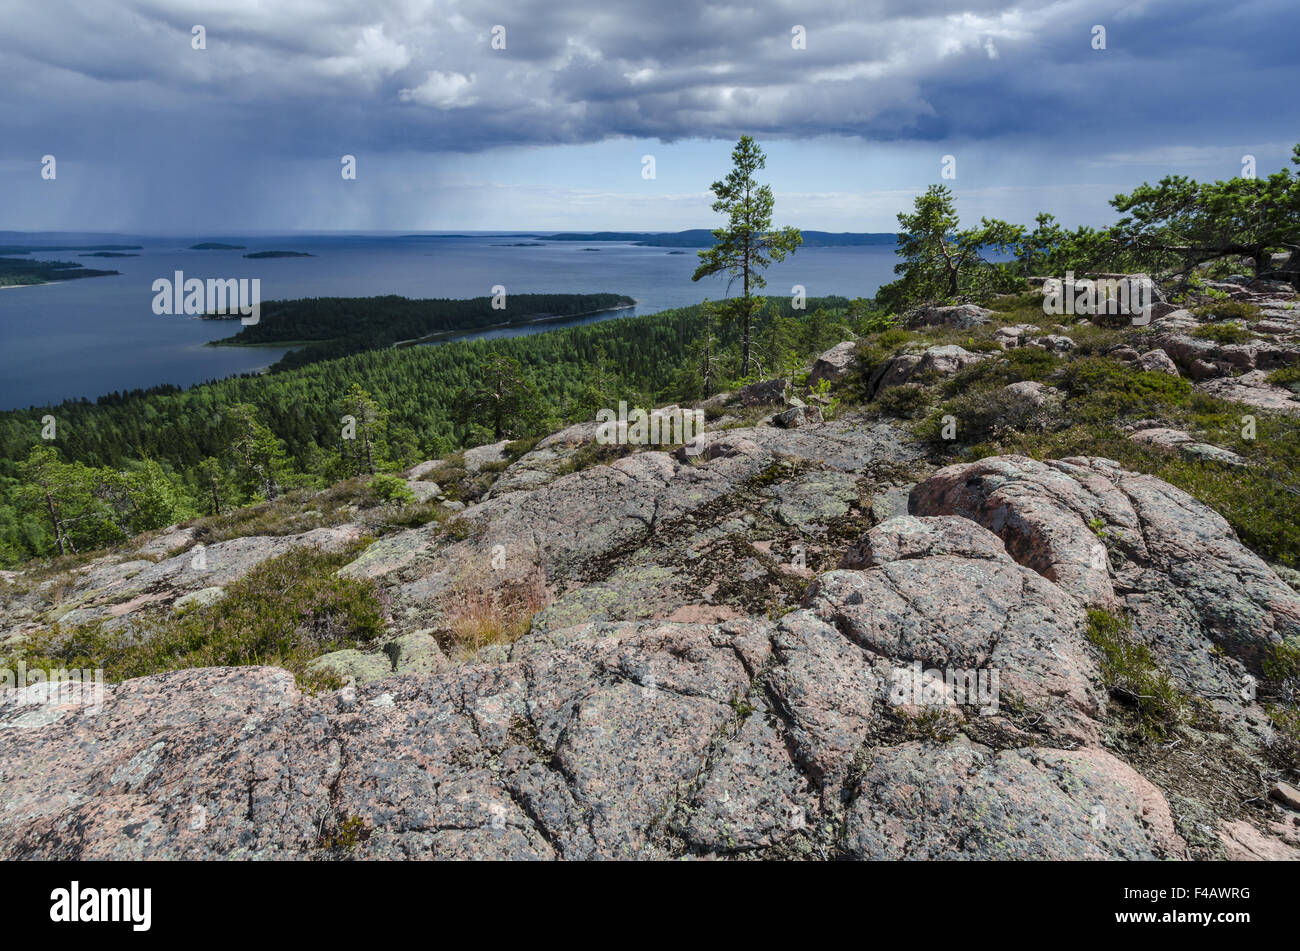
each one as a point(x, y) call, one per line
point(116, 84)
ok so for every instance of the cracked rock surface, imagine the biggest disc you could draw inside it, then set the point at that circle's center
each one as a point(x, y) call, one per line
point(652, 711)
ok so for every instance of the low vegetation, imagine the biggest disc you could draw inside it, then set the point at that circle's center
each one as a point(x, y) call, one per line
point(285, 612)
point(1130, 673)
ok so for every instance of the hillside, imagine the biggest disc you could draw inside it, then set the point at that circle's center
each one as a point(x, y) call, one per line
point(985, 584)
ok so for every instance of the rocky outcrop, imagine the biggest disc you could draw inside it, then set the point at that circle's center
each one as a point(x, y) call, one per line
point(961, 316)
point(837, 729)
point(930, 363)
point(113, 588)
point(1253, 389)
point(1165, 438)
point(791, 638)
point(1113, 538)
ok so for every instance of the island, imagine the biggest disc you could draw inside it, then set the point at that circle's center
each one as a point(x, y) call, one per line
point(325, 328)
point(279, 254)
point(217, 246)
point(19, 272)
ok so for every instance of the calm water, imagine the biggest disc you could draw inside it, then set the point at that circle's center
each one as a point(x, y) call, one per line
point(88, 337)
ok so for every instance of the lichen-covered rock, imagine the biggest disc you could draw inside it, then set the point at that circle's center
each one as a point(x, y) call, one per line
point(1253, 389)
point(1114, 538)
point(764, 393)
point(797, 416)
point(964, 800)
point(1032, 396)
point(934, 696)
point(1158, 361)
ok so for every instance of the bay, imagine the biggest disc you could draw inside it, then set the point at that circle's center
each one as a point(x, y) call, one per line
point(89, 337)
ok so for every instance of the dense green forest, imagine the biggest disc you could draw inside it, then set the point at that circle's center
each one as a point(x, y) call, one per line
point(127, 462)
point(346, 325)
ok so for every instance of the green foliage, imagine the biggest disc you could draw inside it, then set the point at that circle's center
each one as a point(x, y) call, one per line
point(1179, 223)
point(1130, 673)
point(939, 261)
point(502, 401)
point(1238, 310)
point(219, 454)
point(746, 244)
point(391, 489)
point(907, 401)
point(1104, 390)
point(1288, 377)
point(283, 613)
point(351, 832)
point(1223, 333)
point(85, 507)
point(1176, 225)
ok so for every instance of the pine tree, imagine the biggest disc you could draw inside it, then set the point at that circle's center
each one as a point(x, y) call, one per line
point(364, 447)
point(258, 460)
point(746, 244)
point(503, 400)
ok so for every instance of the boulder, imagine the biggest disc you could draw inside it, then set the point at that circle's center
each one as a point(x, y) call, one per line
point(1157, 361)
point(764, 393)
point(1010, 337)
point(1053, 342)
point(835, 364)
point(480, 456)
point(946, 360)
point(797, 416)
point(1253, 389)
point(1031, 395)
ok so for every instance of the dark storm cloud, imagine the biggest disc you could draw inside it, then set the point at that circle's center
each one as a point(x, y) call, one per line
point(151, 133)
point(297, 77)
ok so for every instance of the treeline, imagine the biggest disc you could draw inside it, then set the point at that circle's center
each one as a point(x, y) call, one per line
point(703, 238)
point(346, 325)
point(133, 461)
point(1167, 230)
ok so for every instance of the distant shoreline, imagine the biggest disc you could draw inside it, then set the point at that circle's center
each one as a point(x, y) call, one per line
point(7, 287)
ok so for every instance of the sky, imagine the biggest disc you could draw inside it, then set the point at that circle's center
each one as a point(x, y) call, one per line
point(539, 115)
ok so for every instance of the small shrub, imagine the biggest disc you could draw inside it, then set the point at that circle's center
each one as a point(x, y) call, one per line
point(478, 615)
point(285, 612)
point(1288, 377)
point(1228, 310)
point(1102, 390)
point(1224, 333)
point(350, 833)
point(1130, 673)
point(390, 489)
point(937, 724)
point(908, 400)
